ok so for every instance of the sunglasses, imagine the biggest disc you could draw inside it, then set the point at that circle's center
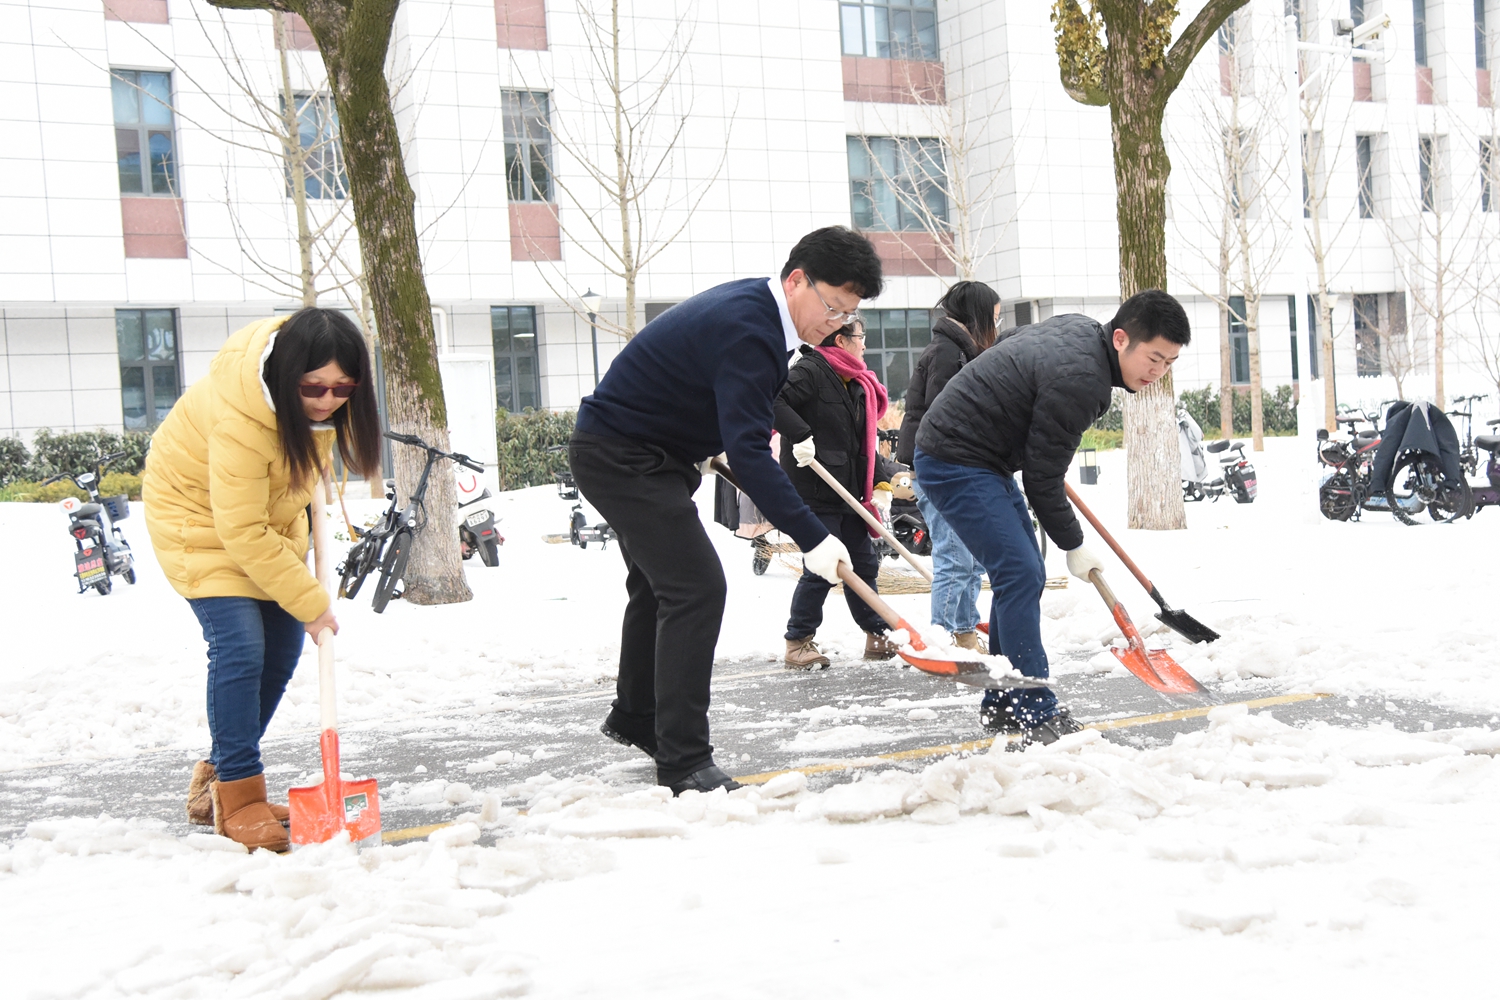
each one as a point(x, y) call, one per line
point(319, 391)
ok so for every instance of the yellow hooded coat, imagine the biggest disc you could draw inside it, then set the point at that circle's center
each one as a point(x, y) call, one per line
point(224, 516)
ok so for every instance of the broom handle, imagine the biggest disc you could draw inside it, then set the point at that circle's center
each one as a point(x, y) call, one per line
point(1108, 538)
point(870, 519)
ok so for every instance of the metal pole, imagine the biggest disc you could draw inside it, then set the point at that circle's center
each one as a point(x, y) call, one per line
point(594, 338)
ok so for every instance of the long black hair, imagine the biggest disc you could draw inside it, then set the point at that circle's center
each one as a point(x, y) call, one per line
point(972, 305)
point(308, 340)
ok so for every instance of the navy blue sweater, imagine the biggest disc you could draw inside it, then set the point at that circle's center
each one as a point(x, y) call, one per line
point(702, 378)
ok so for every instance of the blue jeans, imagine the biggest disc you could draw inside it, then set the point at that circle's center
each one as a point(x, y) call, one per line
point(989, 514)
point(956, 575)
point(253, 647)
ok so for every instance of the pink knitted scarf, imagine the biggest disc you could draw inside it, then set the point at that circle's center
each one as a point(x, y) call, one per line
point(877, 401)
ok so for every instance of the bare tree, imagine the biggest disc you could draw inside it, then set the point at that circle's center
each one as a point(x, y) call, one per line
point(1242, 109)
point(627, 199)
point(935, 185)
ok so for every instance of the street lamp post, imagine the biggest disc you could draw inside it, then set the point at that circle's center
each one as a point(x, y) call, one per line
point(591, 302)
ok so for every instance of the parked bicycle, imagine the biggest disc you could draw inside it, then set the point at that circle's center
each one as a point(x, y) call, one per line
point(102, 551)
point(1348, 490)
point(387, 544)
point(1468, 455)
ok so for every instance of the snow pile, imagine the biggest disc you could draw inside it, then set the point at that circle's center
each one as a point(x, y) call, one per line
point(305, 926)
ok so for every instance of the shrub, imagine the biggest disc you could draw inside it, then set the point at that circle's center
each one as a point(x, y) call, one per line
point(14, 458)
point(1114, 417)
point(75, 451)
point(523, 440)
point(1278, 411)
point(25, 491)
point(1101, 440)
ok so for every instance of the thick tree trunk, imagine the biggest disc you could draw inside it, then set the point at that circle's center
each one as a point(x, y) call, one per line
point(353, 41)
point(1153, 459)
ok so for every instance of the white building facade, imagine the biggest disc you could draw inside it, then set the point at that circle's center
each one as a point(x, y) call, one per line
point(147, 214)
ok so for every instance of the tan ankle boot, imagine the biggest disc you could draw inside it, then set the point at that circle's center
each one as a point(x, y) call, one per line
point(968, 640)
point(803, 654)
point(879, 647)
point(200, 801)
point(242, 814)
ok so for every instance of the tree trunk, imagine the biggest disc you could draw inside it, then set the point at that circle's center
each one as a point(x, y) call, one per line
point(296, 162)
point(1252, 333)
point(622, 174)
point(1153, 459)
point(1330, 389)
point(353, 42)
point(1437, 325)
point(1226, 368)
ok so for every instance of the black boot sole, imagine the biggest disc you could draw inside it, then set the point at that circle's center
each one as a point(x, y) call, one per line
point(626, 741)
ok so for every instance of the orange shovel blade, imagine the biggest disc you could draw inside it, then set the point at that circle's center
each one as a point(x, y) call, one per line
point(1154, 666)
point(356, 809)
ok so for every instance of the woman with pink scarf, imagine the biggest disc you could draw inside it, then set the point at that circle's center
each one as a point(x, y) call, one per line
point(829, 408)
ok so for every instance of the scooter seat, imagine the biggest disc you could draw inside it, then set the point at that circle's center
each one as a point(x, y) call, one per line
point(85, 510)
point(1217, 446)
point(1489, 442)
point(1365, 437)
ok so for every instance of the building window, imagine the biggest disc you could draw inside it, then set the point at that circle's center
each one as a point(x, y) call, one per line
point(1487, 175)
point(150, 380)
point(1481, 39)
point(144, 142)
point(1419, 31)
point(890, 30)
point(318, 135)
point(1314, 349)
point(894, 339)
point(1367, 335)
point(528, 142)
point(1291, 312)
point(1239, 342)
point(1427, 171)
point(896, 185)
point(655, 309)
point(1364, 163)
point(517, 383)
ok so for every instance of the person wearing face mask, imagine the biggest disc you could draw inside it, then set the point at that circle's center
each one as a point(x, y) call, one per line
point(226, 489)
point(1022, 406)
point(828, 410)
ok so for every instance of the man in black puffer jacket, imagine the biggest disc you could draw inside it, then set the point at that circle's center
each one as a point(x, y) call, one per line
point(819, 406)
point(1023, 406)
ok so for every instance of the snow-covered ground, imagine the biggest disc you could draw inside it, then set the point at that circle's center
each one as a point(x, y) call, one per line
point(1246, 858)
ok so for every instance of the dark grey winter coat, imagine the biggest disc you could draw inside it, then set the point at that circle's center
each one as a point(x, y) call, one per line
point(1022, 406)
point(950, 350)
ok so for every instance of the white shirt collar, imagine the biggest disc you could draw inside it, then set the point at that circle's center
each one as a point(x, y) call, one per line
point(779, 294)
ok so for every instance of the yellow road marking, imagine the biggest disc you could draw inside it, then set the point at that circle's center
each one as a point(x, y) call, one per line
point(971, 746)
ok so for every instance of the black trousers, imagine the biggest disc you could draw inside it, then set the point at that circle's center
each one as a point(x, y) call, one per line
point(812, 590)
point(675, 585)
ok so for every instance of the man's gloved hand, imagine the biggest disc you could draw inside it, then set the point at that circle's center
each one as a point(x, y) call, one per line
point(1082, 562)
point(804, 451)
point(901, 484)
point(881, 497)
point(824, 558)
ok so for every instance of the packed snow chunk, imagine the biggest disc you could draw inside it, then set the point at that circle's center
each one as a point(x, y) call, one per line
point(837, 738)
point(213, 842)
point(481, 767)
point(457, 835)
point(610, 822)
point(875, 797)
point(1272, 852)
point(1384, 749)
point(921, 715)
point(935, 813)
point(1227, 916)
point(783, 785)
point(1394, 890)
point(457, 793)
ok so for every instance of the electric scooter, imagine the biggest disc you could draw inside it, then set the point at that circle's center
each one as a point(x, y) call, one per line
point(102, 551)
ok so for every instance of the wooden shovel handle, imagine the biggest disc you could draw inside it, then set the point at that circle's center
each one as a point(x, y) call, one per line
point(870, 519)
point(885, 611)
point(1108, 538)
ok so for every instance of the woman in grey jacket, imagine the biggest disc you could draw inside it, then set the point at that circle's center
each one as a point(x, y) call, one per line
point(971, 315)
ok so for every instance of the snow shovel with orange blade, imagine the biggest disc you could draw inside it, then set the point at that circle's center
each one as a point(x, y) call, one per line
point(1154, 666)
point(323, 811)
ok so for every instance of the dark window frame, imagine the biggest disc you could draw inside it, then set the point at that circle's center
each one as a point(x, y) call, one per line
point(1291, 311)
point(511, 360)
point(1419, 31)
point(902, 30)
point(148, 366)
point(1314, 348)
point(917, 168)
point(1487, 165)
point(1364, 167)
point(1367, 354)
point(135, 87)
point(326, 178)
point(1239, 342)
point(1427, 178)
point(528, 145)
point(893, 343)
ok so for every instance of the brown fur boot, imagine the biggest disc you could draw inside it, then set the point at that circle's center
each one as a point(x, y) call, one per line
point(200, 801)
point(242, 814)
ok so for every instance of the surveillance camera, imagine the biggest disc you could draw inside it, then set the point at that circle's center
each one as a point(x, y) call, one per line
point(1370, 30)
point(1343, 26)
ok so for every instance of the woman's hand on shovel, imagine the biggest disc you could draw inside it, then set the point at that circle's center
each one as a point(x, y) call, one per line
point(318, 624)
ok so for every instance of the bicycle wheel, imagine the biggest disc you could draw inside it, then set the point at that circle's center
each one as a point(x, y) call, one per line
point(1414, 486)
point(1451, 502)
point(392, 569)
point(357, 566)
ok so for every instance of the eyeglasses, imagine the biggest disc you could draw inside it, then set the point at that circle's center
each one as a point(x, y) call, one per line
point(832, 313)
point(319, 391)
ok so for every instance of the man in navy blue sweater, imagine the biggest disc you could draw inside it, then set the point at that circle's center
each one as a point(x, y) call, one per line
point(698, 380)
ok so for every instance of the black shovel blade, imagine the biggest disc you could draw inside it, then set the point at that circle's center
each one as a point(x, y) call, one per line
point(984, 679)
point(1186, 625)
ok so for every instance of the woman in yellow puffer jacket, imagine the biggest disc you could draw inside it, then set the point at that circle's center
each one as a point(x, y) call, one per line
point(226, 489)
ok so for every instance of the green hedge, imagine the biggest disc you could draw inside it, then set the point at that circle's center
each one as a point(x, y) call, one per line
point(52, 452)
point(523, 439)
point(115, 483)
point(1278, 411)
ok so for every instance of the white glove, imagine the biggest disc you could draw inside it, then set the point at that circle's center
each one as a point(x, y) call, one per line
point(881, 498)
point(1082, 562)
point(824, 558)
point(804, 451)
point(706, 467)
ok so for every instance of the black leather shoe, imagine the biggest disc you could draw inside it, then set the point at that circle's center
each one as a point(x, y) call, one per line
point(705, 779)
point(999, 717)
point(1048, 732)
point(645, 746)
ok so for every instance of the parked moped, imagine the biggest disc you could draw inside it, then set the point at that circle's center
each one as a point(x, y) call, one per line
point(102, 552)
